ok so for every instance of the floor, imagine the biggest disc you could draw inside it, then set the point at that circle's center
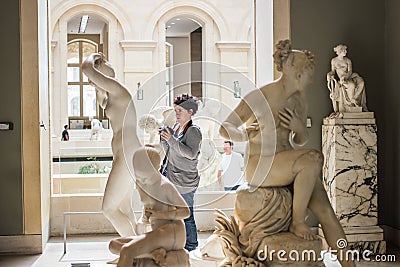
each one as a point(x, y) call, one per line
point(94, 249)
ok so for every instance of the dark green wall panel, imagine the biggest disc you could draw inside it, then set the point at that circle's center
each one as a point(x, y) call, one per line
point(11, 222)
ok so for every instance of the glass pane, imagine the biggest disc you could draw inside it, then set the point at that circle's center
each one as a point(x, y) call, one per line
point(73, 74)
point(73, 53)
point(89, 101)
point(73, 100)
point(85, 78)
point(87, 49)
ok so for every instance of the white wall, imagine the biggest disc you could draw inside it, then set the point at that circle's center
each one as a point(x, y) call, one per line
point(181, 55)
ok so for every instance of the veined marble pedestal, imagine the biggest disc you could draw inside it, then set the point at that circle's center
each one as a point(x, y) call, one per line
point(349, 145)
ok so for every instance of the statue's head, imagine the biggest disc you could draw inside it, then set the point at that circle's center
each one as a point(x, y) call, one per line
point(299, 63)
point(341, 48)
point(146, 163)
point(149, 123)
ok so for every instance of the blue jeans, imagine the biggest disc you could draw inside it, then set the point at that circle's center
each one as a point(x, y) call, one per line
point(233, 188)
point(190, 224)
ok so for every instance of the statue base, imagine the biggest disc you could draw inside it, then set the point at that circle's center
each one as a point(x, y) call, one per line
point(349, 145)
point(350, 118)
point(279, 250)
point(286, 249)
point(362, 239)
point(198, 260)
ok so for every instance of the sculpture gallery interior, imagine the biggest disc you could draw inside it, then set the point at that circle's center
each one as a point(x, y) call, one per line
point(200, 133)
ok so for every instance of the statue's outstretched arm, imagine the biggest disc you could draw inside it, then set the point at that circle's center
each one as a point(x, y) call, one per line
point(231, 128)
point(96, 75)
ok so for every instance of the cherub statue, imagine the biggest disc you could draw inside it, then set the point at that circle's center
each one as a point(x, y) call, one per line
point(117, 101)
point(347, 91)
point(164, 209)
point(301, 168)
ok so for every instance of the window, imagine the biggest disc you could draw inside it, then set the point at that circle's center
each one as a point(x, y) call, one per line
point(81, 95)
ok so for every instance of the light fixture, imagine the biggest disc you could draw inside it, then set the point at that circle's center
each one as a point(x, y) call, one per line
point(139, 92)
point(236, 89)
point(172, 23)
point(83, 23)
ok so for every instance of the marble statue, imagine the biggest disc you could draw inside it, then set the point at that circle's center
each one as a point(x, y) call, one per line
point(266, 207)
point(150, 125)
point(209, 158)
point(117, 101)
point(164, 209)
point(157, 118)
point(347, 88)
point(95, 129)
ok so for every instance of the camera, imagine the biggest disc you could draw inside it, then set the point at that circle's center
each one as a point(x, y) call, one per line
point(166, 129)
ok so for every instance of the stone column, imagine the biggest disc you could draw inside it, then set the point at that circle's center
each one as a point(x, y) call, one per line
point(349, 145)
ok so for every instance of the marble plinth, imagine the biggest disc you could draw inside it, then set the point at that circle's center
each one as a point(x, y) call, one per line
point(287, 249)
point(350, 179)
point(282, 250)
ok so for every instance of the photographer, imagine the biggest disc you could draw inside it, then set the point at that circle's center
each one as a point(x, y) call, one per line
point(182, 148)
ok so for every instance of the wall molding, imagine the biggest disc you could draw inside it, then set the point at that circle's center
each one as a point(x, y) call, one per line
point(135, 45)
point(21, 244)
point(237, 46)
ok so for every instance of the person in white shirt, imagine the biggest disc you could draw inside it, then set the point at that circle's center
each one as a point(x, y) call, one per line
point(230, 172)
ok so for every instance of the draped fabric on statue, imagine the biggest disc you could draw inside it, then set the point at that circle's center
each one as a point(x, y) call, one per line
point(273, 216)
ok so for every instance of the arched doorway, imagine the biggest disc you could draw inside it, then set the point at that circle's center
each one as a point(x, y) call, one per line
point(184, 36)
point(199, 26)
point(81, 165)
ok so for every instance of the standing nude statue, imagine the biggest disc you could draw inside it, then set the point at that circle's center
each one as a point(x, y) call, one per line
point(164, 209)
point(286, 97)
point(117, 101)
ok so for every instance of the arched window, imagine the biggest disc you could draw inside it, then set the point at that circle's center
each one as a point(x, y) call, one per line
point(81, 95)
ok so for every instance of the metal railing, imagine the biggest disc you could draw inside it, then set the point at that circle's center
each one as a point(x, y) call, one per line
point(68, 213)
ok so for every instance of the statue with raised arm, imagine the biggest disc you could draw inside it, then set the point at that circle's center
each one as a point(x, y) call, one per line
point(164, 209)
point(347, 88)
point(95, 129)
point(117, 101)
point(266, 208)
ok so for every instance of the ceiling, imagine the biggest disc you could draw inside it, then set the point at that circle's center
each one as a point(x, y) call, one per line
point(95, 25)
point(176, 27)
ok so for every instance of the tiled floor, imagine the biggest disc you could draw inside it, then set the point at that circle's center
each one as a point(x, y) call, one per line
point(94, 249)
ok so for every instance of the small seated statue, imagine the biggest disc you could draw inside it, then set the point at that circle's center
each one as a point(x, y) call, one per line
point(164, 209)
point(347, 88)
